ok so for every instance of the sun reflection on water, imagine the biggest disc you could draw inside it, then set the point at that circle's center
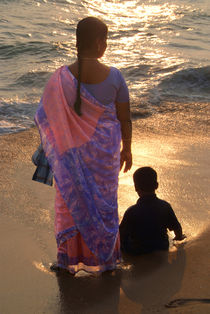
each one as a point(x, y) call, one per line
point(135, 37)
point(131, 11)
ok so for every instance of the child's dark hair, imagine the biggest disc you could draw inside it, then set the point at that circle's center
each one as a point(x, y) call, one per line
point(88, 31)
point(145, 179)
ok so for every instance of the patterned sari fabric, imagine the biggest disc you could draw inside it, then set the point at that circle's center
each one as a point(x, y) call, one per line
point(84, 155)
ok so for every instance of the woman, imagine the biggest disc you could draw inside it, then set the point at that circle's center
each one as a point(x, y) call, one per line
point(81, 117)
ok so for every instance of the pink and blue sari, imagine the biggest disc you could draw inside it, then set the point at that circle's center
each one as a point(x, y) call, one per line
point(84, 155)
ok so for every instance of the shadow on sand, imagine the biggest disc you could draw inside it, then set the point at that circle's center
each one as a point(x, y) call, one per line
point(148, 281)
point(89, 294)
point(154, 279)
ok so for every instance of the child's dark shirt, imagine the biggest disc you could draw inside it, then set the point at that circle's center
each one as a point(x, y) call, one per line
point(144, 225)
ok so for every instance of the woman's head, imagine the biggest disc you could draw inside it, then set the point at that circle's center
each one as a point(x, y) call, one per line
point(91, 36)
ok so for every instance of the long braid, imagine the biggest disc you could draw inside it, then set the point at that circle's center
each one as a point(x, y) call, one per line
point(88, 30)
point(77, 104)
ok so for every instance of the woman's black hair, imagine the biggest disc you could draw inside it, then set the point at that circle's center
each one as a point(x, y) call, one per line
point(77, 104)
point(88, 30)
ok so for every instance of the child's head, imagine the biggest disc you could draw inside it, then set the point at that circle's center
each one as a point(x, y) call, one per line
point(145, 180)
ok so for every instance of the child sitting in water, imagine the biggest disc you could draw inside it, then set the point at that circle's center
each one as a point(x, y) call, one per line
point(144, 225)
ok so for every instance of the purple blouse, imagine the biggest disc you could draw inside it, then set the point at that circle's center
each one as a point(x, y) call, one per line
point(112, 89)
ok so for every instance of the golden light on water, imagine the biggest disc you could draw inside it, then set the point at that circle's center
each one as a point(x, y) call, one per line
point(130, 16)
point(135, 34)
point(65, 21)
point(65, 10)
point(130, 11)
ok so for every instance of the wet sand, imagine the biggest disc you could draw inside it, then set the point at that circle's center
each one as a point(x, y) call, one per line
point(144, 284)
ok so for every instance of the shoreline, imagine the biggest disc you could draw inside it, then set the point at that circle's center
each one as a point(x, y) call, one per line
point(145, 284)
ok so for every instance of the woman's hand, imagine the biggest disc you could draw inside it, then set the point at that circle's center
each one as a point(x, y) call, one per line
point(123, 115)
point(125, 158)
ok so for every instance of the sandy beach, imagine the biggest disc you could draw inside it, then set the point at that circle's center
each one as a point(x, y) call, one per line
point(145, 284)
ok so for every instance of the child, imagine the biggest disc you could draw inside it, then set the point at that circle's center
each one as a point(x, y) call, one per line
point(144, 225)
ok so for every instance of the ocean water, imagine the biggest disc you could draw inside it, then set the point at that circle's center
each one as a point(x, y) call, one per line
point(161, 47)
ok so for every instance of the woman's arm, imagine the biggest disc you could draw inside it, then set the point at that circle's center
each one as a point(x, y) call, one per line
point(123, 115)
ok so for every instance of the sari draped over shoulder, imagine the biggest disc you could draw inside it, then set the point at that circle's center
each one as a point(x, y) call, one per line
point(84, 155)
